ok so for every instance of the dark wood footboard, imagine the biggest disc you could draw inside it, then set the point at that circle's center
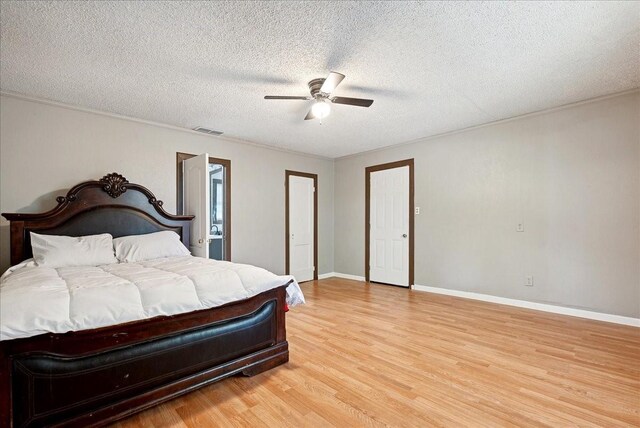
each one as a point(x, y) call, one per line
point(94, 377)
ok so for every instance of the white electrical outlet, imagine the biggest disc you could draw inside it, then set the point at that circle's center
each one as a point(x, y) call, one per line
point(520, 227)
point(417, 210)
point(529, 281)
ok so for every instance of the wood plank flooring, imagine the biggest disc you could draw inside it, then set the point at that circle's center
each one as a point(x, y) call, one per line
point(374, 355)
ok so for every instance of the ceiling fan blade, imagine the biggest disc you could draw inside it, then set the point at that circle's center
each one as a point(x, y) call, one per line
point(360, 102)
point(310, 115)
point(331, 82)
point(285, 97)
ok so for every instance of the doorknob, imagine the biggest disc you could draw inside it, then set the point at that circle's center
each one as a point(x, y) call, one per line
point(404, 235)
point(200, 241)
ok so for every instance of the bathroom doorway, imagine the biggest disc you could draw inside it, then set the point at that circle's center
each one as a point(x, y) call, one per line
point(210, 200)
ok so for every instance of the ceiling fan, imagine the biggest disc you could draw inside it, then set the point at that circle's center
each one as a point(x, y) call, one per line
point(321, 90)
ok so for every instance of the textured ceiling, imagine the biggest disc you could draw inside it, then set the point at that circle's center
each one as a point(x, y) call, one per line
point(431, 67)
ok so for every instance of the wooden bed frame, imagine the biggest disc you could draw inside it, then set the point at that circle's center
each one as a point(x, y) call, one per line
point(94, 377)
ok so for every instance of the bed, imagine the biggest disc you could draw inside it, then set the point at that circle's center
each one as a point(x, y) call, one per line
point(92, 377)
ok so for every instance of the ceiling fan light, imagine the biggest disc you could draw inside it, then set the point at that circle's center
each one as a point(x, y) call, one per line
point(321, 109)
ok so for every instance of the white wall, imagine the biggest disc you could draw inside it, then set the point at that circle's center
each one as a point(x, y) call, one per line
point(571, 175)
point(45, 149)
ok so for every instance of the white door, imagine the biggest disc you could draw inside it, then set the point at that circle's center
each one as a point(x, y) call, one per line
point(301, 227)
point(389, 223)
point(196, 202)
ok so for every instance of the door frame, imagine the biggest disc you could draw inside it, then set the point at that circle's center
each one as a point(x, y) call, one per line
point(287, 174)
point(227, 190)
point(367, 220)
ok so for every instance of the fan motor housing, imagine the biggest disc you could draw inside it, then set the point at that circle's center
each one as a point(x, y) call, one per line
point(315, 85)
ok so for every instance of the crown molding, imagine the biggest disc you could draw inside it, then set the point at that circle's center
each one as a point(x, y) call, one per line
point(44, 101)
point(495, 122)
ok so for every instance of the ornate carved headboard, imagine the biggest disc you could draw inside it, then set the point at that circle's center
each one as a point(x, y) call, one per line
point(109, 205)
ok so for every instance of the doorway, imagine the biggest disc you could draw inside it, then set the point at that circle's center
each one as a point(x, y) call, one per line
point(301, 225)
point(389, 223)
point(211, 198)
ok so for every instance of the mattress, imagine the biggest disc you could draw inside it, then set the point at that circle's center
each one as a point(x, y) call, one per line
point(36, 300)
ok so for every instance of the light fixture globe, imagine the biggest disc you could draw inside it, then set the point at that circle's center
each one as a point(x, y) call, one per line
point(321, 109)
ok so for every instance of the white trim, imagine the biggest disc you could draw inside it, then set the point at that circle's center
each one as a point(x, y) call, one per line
point(341, 275)
point(348, 276)
point(544, 307)
point(495, 122)
point(227, 138)
point(22, 96)
point(599, 316)
point(326, 275)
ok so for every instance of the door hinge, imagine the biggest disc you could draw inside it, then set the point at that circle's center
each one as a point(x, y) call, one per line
point(314, 189)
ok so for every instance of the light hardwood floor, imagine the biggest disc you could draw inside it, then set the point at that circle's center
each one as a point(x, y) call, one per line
point(375, 355)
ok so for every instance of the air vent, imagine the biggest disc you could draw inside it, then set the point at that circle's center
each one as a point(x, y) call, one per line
point(207, 131)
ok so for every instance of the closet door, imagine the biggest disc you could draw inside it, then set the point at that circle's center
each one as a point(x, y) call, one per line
point(301, 216)
point(389, 226)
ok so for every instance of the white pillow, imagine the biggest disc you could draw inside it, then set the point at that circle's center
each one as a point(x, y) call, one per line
point(61, 251)
point(136, 248)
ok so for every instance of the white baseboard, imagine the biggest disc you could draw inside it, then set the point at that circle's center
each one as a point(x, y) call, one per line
point(599, 316)
point(341, 275)
point(326, 275)
point(581, 313)
point(348, 276)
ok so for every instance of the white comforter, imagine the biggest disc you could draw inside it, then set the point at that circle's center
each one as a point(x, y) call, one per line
point(36, 300)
